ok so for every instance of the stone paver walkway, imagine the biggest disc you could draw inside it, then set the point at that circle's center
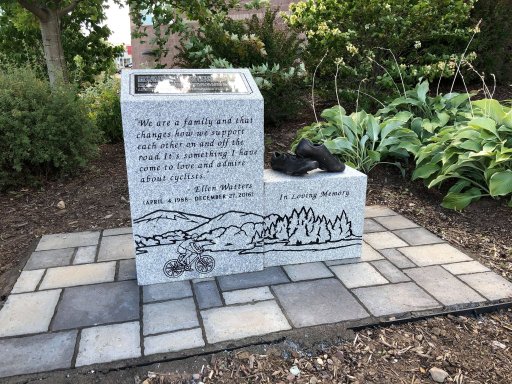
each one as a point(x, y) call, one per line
point(77, 302)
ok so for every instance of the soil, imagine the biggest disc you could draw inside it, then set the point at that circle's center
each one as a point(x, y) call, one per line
point(469, 349)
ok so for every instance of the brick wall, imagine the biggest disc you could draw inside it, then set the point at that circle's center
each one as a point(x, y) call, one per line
point(141, 51)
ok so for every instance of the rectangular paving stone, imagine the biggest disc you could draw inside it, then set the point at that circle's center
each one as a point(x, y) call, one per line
point(85, 255)
point(418, 236)
point(27, 313)
point(371, 225)
point(38, 353)
point(75, 275)
point(489, 284)
point(269, 276)
point(116, 248)
point(397, 258)
point(126, 270)
point(465, 267)
point(167, 291)
point(97, 304)
point(28, 280)
point(307, 271)
point(68, 240)
point(173, 342)
point(48, 259)
point(239, 322)
point(117, 231)
point(425, 255)
point(382, 240)
point(443, 286)
point(377, 210)
point(108, 343)
point(207, 295)
point(169, 316)
point(395, 222)
point(247, 295)
point(394, 299)
point(390, 272)
point(368, 254)
point(318, 302)
point(358, 275)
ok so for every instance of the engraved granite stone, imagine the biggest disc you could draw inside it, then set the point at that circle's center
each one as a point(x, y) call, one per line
point(194, 153)
point(316, 217)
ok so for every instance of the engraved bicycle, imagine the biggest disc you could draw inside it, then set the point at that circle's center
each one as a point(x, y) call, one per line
point(191, 258)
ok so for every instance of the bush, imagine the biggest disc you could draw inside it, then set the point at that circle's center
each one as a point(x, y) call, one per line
point(103, 102)
point(356, 35)
point(268, 50)
point(43, 131)
point(493, 44)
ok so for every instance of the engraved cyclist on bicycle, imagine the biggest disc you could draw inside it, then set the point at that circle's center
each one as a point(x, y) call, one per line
point(190, 257)
point(188, 250)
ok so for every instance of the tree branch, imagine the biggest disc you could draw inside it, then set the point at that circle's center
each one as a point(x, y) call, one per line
point(34, 9)
point(69, 8)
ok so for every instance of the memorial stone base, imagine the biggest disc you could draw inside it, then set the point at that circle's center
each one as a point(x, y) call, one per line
point(316, 217)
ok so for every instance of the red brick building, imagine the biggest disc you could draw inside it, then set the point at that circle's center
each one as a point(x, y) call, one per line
point(141, 52)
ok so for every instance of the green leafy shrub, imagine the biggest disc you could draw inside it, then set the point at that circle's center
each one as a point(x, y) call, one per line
point(475, 154)
point(356, 35)
point(103, 102)
point(43, 131)
point(258, 43)
point(493, 44)
point(362, 140)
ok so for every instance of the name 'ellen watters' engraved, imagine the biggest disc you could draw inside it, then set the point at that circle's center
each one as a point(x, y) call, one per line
point(222, 187)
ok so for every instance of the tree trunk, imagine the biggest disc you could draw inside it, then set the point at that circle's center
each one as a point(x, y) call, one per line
point(53, 51)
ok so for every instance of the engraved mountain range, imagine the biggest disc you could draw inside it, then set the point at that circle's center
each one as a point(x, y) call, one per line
point(246, 232)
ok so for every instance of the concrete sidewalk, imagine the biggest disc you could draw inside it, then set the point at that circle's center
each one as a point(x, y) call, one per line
point(76, 302)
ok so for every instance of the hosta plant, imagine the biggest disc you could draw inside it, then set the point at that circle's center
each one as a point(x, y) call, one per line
point(475, 155)
point(362, 140)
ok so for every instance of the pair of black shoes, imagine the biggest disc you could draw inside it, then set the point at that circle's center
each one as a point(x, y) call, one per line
point(308, 156)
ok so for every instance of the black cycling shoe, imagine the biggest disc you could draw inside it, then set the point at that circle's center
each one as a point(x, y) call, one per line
point(328, 162)
point(291, 164)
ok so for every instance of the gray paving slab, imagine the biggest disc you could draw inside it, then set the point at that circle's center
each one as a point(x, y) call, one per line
point(167, 291)
point(371, 225)
point(28, 281)
point(38, 353)
point(126, 270)
point(397, 258)
point(465, 267)
point(48, 259)
point(117, 231)
point(389, 271)
point(247, 295)
point(425, 255)
point(377, 210)
point(169, 316)
point(68, 240)
point(85, 255)
point(269, 276)
point(207, 295)
point(358, 275)
point(393, 299)
point(489, 284)
point(443, 286)
point(116, 248)
point(27, 313)
point(318, 302)
point(307, 271)
point(241, 321)
point(82, 274)
point(417, 236)
point(173, 342)
point(108, 343)
point(97, 304)
point(382, 240)
point(395, 222)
